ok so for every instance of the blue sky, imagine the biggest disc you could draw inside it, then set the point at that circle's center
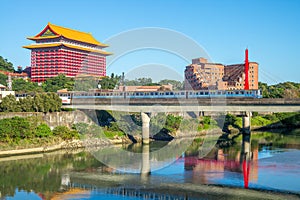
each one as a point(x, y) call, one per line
point(224, 28)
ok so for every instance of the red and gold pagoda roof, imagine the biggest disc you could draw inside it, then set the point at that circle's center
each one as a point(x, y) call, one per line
point(53, 31)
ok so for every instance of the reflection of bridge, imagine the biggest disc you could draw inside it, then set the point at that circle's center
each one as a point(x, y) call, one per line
point(125, 192)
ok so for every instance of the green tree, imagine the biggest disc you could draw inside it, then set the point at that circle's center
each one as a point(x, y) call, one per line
point(280, 90)
point(3, 79)
point(20, 85)
point(177, 85)
point(110, 82)
point(139, 81)
point(38, 103)
point(5, 65)
point(86, 84)
point(10, 104)
point(57, 83)
point(27, 104)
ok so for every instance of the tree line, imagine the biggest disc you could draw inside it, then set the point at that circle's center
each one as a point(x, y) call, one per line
point(15, 129)
point(281, 90)
point(40, 102)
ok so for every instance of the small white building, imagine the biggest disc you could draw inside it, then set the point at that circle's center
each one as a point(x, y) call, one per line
point(4, 92)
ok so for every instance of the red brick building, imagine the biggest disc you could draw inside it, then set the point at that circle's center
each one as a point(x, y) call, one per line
point(60, 50)
point(215, 76)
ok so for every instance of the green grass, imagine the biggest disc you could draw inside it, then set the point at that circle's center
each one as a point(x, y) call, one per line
point(112, 134)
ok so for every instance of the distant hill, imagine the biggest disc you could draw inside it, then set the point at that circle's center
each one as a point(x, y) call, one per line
point(5, 65)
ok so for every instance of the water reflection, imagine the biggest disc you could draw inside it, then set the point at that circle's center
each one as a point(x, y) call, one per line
point(140, 158)
point(241, 159)
point(77, 174)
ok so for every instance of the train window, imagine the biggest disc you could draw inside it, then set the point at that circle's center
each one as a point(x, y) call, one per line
point(201, 93)
point(191, 93)
point(121, 94)
point(167, 93)
point(219, 93)
point(156, 93)
point(151, 93)
point(237, 92)
point(206, 93)
point(171, 93)
point(242, 92)
point(182, 93)
point(197, 93)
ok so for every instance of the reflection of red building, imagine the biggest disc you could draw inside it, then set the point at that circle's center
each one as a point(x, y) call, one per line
point(61, 50)
point(214, 167)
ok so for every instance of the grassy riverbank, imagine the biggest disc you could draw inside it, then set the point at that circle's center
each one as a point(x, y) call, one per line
point(267, 121)
point(32, 132)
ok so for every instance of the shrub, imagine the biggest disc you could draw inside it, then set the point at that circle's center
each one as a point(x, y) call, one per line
point(14, 129)
point(43, 130)
point(65, 133)
point(173, 122)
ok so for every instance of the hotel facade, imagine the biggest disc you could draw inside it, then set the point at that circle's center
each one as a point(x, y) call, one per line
point(60, 50)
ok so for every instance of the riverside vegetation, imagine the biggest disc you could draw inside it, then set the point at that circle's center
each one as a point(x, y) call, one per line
point(31, 131)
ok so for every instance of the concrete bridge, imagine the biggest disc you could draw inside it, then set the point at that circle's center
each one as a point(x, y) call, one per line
point(220, 105)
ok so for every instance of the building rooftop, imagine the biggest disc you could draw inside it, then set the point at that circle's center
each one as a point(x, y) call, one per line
point(54, 31)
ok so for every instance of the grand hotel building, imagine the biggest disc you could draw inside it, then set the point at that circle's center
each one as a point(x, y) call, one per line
point(60, 50)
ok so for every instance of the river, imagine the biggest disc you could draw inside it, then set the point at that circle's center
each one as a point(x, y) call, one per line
point(272, 172)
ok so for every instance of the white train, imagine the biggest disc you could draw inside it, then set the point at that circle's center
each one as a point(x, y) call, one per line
point(69, 96)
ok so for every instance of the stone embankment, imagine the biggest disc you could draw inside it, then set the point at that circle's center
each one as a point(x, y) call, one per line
point(55, 118)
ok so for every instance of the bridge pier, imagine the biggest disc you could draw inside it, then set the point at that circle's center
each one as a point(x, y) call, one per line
point(145, 128)
point(246, 145)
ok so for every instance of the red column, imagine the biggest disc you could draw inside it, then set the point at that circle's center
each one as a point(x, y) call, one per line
point(246, 86)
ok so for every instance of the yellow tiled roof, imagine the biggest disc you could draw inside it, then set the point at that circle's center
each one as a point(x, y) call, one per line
point(32, 46)
point(44, 45)
point(68, 33)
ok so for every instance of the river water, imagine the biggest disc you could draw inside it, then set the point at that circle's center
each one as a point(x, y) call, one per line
point(274, 168)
